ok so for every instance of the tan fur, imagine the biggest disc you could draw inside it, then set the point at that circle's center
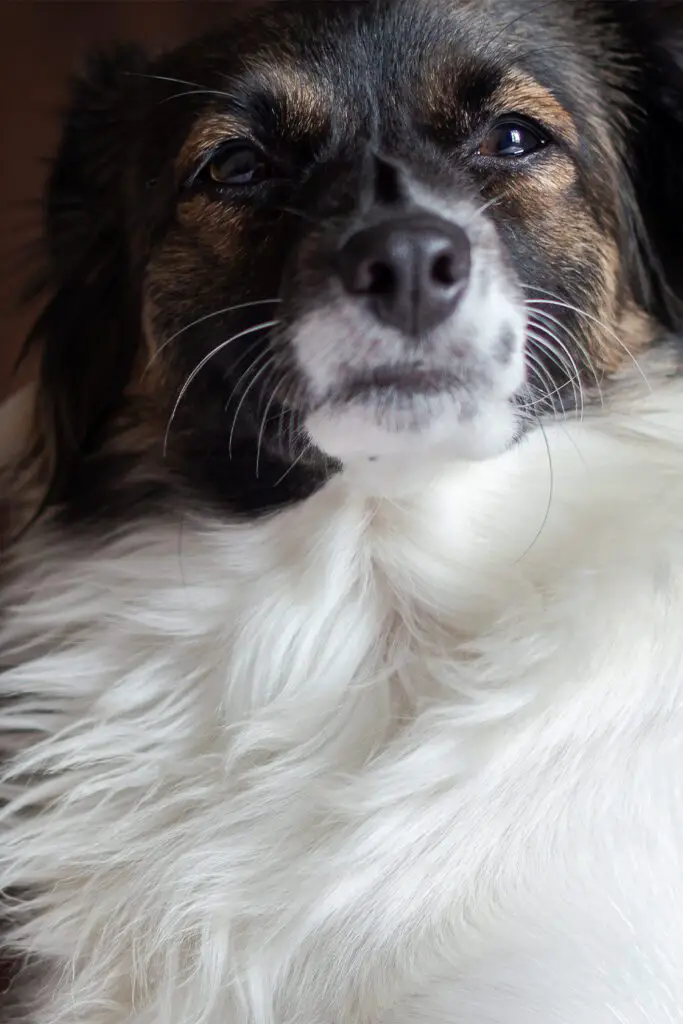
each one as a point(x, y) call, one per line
point(519, 93)
point(306, 98)
point(209, 133)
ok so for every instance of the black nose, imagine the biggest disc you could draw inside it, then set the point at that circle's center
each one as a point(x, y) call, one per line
point(414, 270)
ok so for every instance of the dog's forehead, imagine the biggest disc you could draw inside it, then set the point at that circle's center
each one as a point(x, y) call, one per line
point(340, 56)
point(351, 68)
point(356, 48)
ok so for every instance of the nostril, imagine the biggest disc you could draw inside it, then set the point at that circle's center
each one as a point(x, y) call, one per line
point(372, 277)
point(444, 271)
point(381, 279)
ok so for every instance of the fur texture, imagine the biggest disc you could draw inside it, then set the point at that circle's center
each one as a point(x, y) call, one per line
point(406, 749)
point(427, 744)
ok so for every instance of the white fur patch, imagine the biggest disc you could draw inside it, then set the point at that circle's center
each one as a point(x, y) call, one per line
point(412, 759)
point(482, 343)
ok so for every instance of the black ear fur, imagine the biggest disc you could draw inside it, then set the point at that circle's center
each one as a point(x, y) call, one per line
point(655, 32)
point(89, 330)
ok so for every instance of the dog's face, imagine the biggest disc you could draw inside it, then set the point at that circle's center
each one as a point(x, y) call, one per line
point(344, 231)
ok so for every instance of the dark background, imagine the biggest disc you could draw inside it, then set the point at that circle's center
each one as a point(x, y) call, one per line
point(41, 43)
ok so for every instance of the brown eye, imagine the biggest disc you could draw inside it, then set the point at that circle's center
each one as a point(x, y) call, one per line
point(237, 166)
point(512, 139)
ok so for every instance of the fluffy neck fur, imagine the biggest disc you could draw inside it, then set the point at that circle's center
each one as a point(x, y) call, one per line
point(420, 750)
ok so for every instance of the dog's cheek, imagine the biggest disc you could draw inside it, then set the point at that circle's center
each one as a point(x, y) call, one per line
point(213, 228)
point(195, 273)
point(574, 257)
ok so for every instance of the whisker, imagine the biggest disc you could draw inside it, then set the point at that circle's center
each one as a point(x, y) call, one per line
point(202, 363)
point(551, 492)
point(482, 210)
point(546, 338)
point(554, 389)
point(575, 341)
point(196, 92)
point(256, 361)
point(302, 454)
point(290, 431)
point(175, 81)
point(281, 425)
point(593, 319)
point(253, 361)
point(202, 319)
point(288, 408)
point(544, 373)
point(533, 9)
point(248, 388)
point(293, 419)
point(544, 398)
point(262, 429)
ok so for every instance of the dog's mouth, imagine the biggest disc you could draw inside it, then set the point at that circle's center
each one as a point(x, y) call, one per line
point(403, 381)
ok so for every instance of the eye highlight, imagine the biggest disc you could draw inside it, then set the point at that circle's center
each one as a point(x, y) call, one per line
point(512, 138)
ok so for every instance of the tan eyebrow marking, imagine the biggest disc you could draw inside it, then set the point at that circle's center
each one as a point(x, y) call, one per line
point(305, 102)
point(206, 135)
point(522, 94)
point(306, 98)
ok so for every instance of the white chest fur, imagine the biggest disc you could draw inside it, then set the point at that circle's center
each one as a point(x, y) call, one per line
point(297, 770)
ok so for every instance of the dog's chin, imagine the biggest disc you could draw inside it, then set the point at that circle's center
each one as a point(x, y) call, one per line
point(434, 426)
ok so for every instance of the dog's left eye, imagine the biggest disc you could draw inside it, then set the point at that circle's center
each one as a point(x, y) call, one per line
point(513, 138)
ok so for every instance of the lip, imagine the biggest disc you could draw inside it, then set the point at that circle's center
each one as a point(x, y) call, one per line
point(407, 381)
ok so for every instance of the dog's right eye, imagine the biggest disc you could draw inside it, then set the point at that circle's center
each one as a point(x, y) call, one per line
point(235, 165)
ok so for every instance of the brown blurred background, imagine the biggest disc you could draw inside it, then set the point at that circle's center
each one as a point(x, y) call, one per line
point(41, 43)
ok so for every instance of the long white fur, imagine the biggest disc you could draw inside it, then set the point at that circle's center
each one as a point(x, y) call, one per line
point(409, 757)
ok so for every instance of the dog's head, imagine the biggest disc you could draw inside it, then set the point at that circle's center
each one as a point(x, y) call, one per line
point(343, 231)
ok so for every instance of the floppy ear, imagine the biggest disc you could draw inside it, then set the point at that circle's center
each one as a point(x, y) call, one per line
point(655, 32)
point(88, 332)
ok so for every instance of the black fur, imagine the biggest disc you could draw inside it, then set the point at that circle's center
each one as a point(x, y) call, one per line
point(89, 330)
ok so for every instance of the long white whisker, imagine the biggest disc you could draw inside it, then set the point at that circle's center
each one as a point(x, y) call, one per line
point(262, 430)
point(167, 78)
point(302, 454)
point(554, 389)
point(196, 92)
point(482, 210)
point(255, 362)
point(574, 338)
point(593, 319)
point(274, 338)
point(202, 363)
point(202, 319)
point(281, 425)
point(541, 368)
point(547, 388)
point(248, 388)
point(546, 339)
point(548, 317)
point(293, 413)
point(551, 492)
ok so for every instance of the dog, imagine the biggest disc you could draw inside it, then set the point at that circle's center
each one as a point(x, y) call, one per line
point(340, 623)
